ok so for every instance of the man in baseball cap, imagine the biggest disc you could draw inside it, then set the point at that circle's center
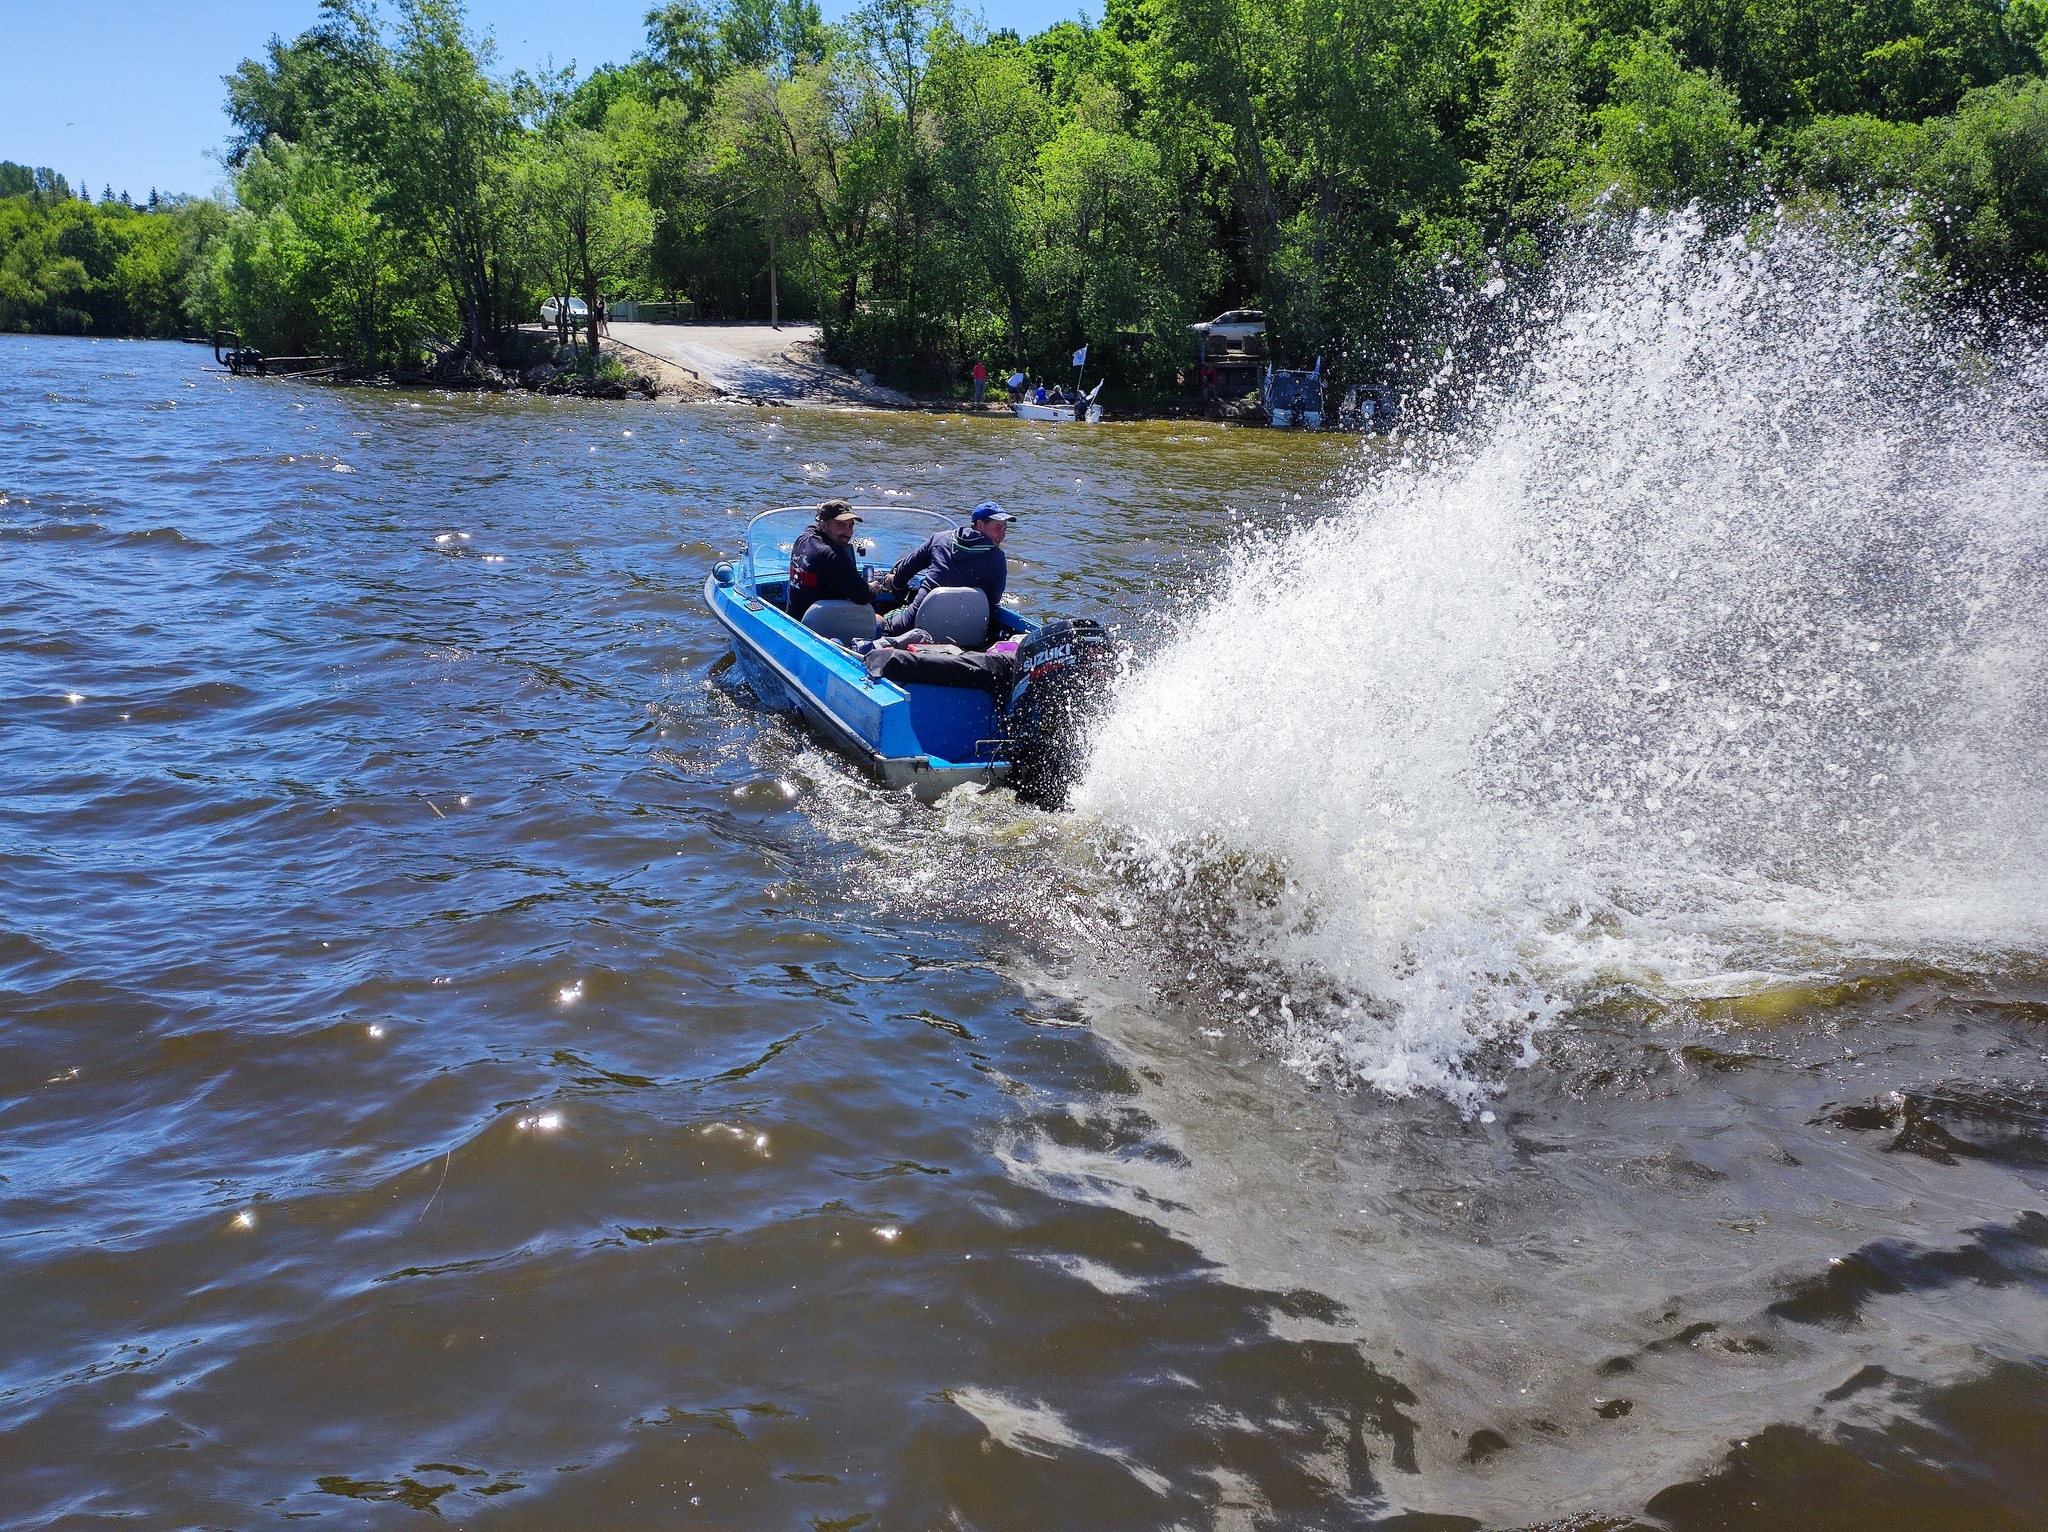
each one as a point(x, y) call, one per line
point(822, 566)
point(960, 556)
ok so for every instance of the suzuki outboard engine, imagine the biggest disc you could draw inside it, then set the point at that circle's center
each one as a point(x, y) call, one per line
point(1064, 674)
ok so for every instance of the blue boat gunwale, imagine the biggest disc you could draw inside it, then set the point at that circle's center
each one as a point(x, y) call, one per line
point(888, 746)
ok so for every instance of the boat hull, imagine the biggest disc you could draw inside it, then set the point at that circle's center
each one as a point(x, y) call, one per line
point(875, 724)
point(1058, 414)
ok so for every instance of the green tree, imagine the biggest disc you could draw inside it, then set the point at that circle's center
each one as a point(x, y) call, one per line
point(71, 268)
point(683, 58)
point(1989, 189)
point(1978, 181)
point(586, 231)
point(994, 117)
point(434, 132)
point(306, 265)
point(1671, 135)
point(808, 156)
point(295, 92)
point(1100, 203)
point(1535, 130)
point(937, 191)
point(779, 36)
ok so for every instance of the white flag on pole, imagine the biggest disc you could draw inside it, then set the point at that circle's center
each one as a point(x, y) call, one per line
point(1081, 357)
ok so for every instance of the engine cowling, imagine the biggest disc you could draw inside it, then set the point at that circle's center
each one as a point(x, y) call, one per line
point(1064, 674)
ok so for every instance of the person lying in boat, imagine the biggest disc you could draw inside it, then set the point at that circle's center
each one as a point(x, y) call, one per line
point(822, 566)
point(959, 556)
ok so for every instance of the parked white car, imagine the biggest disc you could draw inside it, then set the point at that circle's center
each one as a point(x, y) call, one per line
point(1233, 337)
point(551, 312)
point(1238, 324)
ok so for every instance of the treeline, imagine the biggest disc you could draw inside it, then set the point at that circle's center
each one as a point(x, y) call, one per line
point(933, 194)
point(70, 267)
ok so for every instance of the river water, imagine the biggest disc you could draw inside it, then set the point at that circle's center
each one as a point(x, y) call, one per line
point(460, 1055)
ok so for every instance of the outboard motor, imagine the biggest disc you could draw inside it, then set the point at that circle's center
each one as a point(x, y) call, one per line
point(1064, 673)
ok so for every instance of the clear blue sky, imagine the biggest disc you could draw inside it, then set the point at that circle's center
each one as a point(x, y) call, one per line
point(127, 93)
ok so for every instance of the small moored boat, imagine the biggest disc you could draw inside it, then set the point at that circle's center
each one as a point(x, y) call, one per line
point(1293, 398)
point(978, 719)
point(1082, 411)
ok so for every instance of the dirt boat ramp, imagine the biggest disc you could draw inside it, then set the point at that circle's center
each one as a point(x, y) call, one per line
point(757, 363)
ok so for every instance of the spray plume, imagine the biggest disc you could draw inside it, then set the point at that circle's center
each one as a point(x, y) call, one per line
point(1705, 653)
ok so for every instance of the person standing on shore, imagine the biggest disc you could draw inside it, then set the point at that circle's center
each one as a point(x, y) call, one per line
point(980, 383)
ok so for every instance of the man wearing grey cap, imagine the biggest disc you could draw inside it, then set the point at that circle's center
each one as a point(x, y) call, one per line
point(959, 556)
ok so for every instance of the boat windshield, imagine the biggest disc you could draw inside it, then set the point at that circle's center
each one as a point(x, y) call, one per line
point(886, 533)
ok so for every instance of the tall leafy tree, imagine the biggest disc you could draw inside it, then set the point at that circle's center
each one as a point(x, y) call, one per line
point(422, 112)
point(807, 156)
point(584, 229)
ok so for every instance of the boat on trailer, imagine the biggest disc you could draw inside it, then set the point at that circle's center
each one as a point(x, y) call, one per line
point(982, 722)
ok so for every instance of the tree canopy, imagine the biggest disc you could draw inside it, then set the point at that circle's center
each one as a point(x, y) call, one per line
point(933, 193)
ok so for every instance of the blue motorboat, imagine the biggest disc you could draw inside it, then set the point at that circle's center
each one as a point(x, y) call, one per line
point(1293, 398)
point(929, 738)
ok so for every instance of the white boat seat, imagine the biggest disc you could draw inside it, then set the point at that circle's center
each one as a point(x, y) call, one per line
point(955, 615)
point(844, 622)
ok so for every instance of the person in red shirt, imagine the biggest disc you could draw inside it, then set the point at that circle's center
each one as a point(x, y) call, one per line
point(980, 382)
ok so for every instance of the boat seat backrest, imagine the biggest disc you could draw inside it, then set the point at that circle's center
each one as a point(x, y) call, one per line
point(955, 615)
point(844, 622)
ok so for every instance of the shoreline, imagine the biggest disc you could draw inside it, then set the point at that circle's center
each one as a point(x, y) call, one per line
point(748, 362)
point(737, 363)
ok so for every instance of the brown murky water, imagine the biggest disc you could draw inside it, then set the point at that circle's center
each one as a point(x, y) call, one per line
point(459, 1056)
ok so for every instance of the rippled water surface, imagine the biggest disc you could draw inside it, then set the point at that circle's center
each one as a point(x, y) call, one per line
point(459, 1055)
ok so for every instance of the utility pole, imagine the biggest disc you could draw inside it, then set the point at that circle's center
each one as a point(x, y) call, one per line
point(774, 297)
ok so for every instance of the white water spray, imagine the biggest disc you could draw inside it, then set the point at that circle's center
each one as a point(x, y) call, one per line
point(1708, 654)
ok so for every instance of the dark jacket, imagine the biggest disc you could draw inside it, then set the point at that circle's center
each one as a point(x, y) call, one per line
point(960, 557)
point(820, 572)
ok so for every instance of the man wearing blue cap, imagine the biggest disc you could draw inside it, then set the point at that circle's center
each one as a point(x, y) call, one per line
point(960, 556)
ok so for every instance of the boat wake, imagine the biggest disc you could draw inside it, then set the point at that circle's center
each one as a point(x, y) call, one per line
point(1704, 656)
